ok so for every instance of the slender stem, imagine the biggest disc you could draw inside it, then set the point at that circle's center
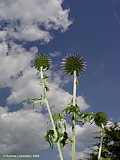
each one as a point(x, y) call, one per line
point(101, 141)
point(50, 114)
point(73, 121)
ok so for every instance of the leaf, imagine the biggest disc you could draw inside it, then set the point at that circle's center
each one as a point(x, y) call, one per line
point(72, 110)
point(86, 117)
point(50, 137)
point(58, 117)
point(65, 137)
point(78, 116)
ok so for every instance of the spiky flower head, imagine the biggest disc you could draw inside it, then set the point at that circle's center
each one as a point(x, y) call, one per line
point(73, 63)
point(42, 61)
point(100, 118)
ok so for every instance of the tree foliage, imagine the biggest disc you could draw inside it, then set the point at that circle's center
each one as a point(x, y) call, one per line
point(111, 144)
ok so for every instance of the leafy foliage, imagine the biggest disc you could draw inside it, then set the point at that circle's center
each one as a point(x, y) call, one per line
point(111, 144)
point(79, 116)
point(87, 117)
point(62, 136)
point(73, 63)
point(73, 111)
point(49, 137)
point(112, 141)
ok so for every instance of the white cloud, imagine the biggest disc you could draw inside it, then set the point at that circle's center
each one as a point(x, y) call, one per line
point(34, 19)
point(27, 85)
point(22, 132)
point(15, 126)
point(3, 48)
point(2, 34)
point(24, 87)
point(59, 98)
point(85, 141)
point(32, 33)
point(13, 64)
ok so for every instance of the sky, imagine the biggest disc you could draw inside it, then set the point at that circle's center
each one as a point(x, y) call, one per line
point(95, 34)
point(57, 28)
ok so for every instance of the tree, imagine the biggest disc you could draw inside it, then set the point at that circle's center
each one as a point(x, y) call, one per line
point(111, 144)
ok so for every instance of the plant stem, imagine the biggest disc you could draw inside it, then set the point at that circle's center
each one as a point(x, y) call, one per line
point(101, 141)
point(73, 121)
point(50, 114)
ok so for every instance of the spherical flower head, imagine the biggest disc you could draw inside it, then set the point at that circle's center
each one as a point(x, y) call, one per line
point(73, 63)
point(100, 119)
point(42, 61)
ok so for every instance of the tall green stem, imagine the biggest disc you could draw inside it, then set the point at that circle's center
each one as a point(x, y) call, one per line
point(73, 121)
point(50, 113)
point(101, 141)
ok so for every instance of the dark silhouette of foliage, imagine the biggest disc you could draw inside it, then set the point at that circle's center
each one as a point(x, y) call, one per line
point(111, 144)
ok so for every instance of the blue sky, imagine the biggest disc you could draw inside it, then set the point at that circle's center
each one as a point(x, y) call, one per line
point(95, 35)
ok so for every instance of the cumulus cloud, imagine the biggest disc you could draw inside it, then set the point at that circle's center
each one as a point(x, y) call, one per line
point(28, 86)
point(22, 79)
point(33, 19)
point(13, 64)
point(59, 98)
point(18, 74)
point(24, 87)
point(2, 34)
point(85, 141)
point(22, 132)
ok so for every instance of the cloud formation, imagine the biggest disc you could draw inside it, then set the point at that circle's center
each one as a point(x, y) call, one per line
point(85, 141)
point(11, 65)
point(33, 19)
point(21, 78)
point(22, 132)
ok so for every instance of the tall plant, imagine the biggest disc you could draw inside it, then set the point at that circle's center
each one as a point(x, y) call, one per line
point(74, 65)
point(42, 63)
point(100, 120)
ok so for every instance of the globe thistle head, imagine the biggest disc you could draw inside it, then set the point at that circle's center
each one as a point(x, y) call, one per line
point(73, 63)
point(100, 119)
point(42, 61)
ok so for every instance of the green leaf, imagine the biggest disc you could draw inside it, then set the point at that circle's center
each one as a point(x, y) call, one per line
point(58, 117)
point(86, 117)
point(50, 138)
point(72, 110)
point(64, 139)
